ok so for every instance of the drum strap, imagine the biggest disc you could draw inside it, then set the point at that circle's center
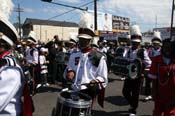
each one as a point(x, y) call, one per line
point(95, 57)
point(140, 53)
point(101, 95)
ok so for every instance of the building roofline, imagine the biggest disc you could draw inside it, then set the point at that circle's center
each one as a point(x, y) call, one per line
point(50, 22)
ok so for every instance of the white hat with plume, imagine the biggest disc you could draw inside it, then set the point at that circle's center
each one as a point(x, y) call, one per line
point(32, 37)
point(86, 28)
point(136, 35)
point(157, 38)
point(8, 32)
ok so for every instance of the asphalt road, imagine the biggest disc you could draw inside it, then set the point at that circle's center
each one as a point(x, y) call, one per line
point(115, 104)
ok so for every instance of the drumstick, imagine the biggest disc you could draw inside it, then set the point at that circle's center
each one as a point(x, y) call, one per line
point(66, 89)
point(91, 83)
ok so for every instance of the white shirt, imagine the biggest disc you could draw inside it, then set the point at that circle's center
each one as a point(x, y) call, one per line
point(86, 71)
point(11, 90)
point(43, 64)
point(32, 58)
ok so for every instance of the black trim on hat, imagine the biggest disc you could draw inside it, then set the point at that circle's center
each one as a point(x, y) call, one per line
point(32, 39)
point(86, 31)
point(6, 30)
point(72, 40)
point(156, 39)
point(136, 36)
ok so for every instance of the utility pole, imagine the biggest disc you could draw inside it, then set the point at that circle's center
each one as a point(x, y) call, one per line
point(95, 15)
point(172, 17)
point(156, 22)
point(19, 10)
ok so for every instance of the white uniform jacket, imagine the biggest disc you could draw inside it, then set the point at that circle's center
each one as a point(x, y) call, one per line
point(43, 64)
point(85, 71)
point(153, 52)
point(32, 56)
point(11, 88)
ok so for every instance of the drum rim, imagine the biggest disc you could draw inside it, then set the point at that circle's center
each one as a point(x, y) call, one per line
point(74, 104)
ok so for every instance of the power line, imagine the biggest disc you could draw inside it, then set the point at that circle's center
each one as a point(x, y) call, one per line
point(75, 14)
point(65, 5)
point(69, 11)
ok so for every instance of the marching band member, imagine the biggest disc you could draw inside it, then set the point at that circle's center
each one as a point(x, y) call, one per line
point(162, 72)
point(157, 44)
point(32, 56)
point(121, 51)
point(131, 87)
point(155, 51)
point(101, 47)
point(43, 66)
point(32, 53)
point(73, 41)
point(11, 78)
point(88, 66)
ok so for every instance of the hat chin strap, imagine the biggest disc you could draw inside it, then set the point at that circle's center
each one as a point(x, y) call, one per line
point(84, 48)
point(6, 39)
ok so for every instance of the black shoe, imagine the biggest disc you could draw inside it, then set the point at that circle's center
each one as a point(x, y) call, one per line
point(91, 114)
point(132, 110)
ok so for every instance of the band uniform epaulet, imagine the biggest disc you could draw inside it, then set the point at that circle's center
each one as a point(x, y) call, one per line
point(95, 57)
point(32, 51)
point(10, 60)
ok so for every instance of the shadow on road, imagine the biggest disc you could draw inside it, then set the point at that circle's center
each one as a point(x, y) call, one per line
point(117, 100)
point(47, 89)
point(117, 113)
point(111, 80)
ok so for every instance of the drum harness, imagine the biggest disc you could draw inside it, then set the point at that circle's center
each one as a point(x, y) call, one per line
point(140, 56)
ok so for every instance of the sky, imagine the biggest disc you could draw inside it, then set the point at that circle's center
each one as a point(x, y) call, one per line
point(148, 14)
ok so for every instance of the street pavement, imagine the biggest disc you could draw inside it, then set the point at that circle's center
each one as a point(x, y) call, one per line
point(115, 104)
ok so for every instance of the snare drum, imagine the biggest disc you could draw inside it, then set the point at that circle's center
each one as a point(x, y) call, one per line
point(71, 103)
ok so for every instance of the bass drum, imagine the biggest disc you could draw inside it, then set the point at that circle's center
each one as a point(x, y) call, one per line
point(135, 69)
point(71, 103)
point(129, 69)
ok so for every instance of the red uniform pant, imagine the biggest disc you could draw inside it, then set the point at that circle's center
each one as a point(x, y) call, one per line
point(164, 109)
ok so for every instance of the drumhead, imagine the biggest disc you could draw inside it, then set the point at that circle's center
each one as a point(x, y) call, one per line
point(135, 69)
point(74, 99)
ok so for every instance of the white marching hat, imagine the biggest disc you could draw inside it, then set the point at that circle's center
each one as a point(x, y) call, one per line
point(136, 35)
point(43, 49)
point(73, 38)
point(8, 32)
point(157, 38)
point(86, 27)
point(32, 37)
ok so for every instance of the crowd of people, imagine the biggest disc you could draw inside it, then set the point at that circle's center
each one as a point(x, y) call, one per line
point(83, 64)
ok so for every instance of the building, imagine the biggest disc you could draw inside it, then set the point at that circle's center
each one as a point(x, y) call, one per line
point(166, 32)
point(46, 29)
